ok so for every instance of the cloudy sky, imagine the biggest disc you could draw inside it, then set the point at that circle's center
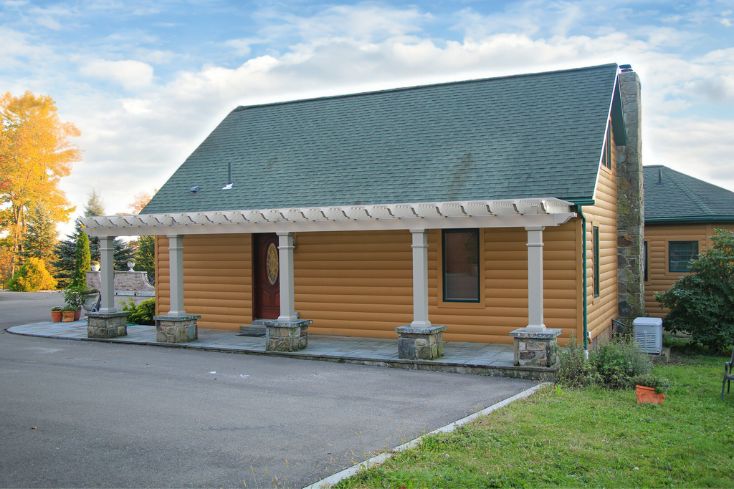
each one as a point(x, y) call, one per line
point(147, 81)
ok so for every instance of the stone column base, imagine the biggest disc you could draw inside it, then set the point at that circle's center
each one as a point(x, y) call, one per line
point(106, 324)
point(286, 335)
point(176, 329)
point(536, 347)
point(420, 342)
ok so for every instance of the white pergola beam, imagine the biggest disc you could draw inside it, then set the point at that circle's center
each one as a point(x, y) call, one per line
point(424, 215)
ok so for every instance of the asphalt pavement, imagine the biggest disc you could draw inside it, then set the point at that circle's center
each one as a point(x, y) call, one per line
point(83, 414)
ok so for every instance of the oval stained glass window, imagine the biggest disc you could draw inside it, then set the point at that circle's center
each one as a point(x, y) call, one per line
point(271, 264)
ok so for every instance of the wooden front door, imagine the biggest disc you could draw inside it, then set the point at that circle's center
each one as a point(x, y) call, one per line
point(267, 283)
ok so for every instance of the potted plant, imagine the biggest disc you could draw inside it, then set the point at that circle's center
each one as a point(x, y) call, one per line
point(650, 389)
point(56, 314)
point(73, 300)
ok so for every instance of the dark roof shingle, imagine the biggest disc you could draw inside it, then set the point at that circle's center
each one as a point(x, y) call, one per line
point(537, 135)
point(672, 196)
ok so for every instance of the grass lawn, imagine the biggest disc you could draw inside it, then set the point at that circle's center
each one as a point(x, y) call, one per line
point(590, 437)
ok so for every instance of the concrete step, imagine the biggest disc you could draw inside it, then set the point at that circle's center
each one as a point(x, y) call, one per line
point(252, 330)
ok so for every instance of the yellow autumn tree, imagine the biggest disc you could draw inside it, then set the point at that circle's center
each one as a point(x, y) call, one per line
point(35, 153)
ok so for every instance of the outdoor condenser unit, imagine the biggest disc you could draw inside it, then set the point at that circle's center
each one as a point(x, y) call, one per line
point(649, 334)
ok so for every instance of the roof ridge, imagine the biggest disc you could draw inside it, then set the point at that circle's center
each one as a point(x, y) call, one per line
point(418, 87)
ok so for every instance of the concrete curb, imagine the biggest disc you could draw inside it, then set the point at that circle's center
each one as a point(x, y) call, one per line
point(381, 458)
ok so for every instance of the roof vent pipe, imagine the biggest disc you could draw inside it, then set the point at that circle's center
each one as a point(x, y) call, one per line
point(660, 175)
point(229, 184)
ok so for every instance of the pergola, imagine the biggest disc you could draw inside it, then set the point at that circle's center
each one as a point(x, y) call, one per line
point(533, 214)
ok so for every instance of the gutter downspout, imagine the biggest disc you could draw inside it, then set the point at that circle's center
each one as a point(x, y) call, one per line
point(584, 293)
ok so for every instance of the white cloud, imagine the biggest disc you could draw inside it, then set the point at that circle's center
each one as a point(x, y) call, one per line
point(130, 74)
point(133, 142)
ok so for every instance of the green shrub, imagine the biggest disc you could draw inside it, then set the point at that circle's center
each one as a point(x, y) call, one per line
point(83, 258)
point(702, 303)
point(32, 276)
point(140, 313)
point(660, 384)
point(73, 298)
point(618, 362)
point(574, 370)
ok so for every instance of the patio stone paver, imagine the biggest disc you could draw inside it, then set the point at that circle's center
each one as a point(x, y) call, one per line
point(477, 358)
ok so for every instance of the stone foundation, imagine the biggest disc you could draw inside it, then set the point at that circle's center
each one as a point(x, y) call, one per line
point(420, 342)
point(106, 324)
point(176, 329)
point(286, 335)
point(536, 347)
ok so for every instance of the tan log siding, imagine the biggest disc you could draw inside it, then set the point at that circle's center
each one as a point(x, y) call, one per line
point(217, 278)
point(601, 310)
point(360, 284)
point(354, 283)
point(659, 279)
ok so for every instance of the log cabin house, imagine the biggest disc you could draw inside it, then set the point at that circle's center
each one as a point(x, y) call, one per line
point(681, 214)
point(475, 211)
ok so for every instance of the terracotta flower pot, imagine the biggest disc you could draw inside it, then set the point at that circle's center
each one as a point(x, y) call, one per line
point(68, 316)
point(77, 314)
point(647, 395)
point(56, 316)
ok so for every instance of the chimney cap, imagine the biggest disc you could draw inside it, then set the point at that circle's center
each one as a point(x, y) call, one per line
point(625, 68)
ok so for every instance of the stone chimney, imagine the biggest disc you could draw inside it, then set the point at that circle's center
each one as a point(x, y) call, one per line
point(630, 203)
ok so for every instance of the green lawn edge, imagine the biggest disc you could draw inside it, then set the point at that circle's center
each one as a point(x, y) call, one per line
point(583, 437)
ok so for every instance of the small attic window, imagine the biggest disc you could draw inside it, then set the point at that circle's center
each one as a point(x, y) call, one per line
point(606, 158)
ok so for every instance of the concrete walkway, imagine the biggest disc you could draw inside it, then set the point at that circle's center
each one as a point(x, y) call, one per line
point(472, 358)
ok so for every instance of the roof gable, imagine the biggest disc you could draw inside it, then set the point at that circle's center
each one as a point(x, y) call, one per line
point(672, 196)
point(537, 135)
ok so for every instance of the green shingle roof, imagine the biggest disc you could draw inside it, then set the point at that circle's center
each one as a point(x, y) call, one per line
point(672, 196)
point(537, 135)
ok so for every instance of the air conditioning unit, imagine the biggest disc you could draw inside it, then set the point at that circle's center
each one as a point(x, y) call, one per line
point(649, 334)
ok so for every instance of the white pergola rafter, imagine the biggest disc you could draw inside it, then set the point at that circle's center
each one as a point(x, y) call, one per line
point(422, 215)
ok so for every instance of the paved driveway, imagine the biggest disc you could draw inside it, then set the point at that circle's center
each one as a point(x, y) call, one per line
point(87, 414)
point(27, 307)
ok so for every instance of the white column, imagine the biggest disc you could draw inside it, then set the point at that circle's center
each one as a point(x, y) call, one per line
point(420, 277)
point(535, 277)
point(287, 298)
point(107, 272)
point(175, 260)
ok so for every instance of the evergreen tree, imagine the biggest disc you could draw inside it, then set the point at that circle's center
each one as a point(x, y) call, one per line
point(94, 206)
point(83, 259)
point(123, 253)
point(65, 262)
point(40, 237)
point(145, 256)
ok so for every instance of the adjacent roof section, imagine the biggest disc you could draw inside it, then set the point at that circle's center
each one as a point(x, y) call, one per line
point(672, 196)
point(537, 135)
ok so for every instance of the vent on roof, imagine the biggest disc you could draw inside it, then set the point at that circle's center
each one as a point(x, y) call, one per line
point(229, 184)
point(195, 189)
point(660, 175)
